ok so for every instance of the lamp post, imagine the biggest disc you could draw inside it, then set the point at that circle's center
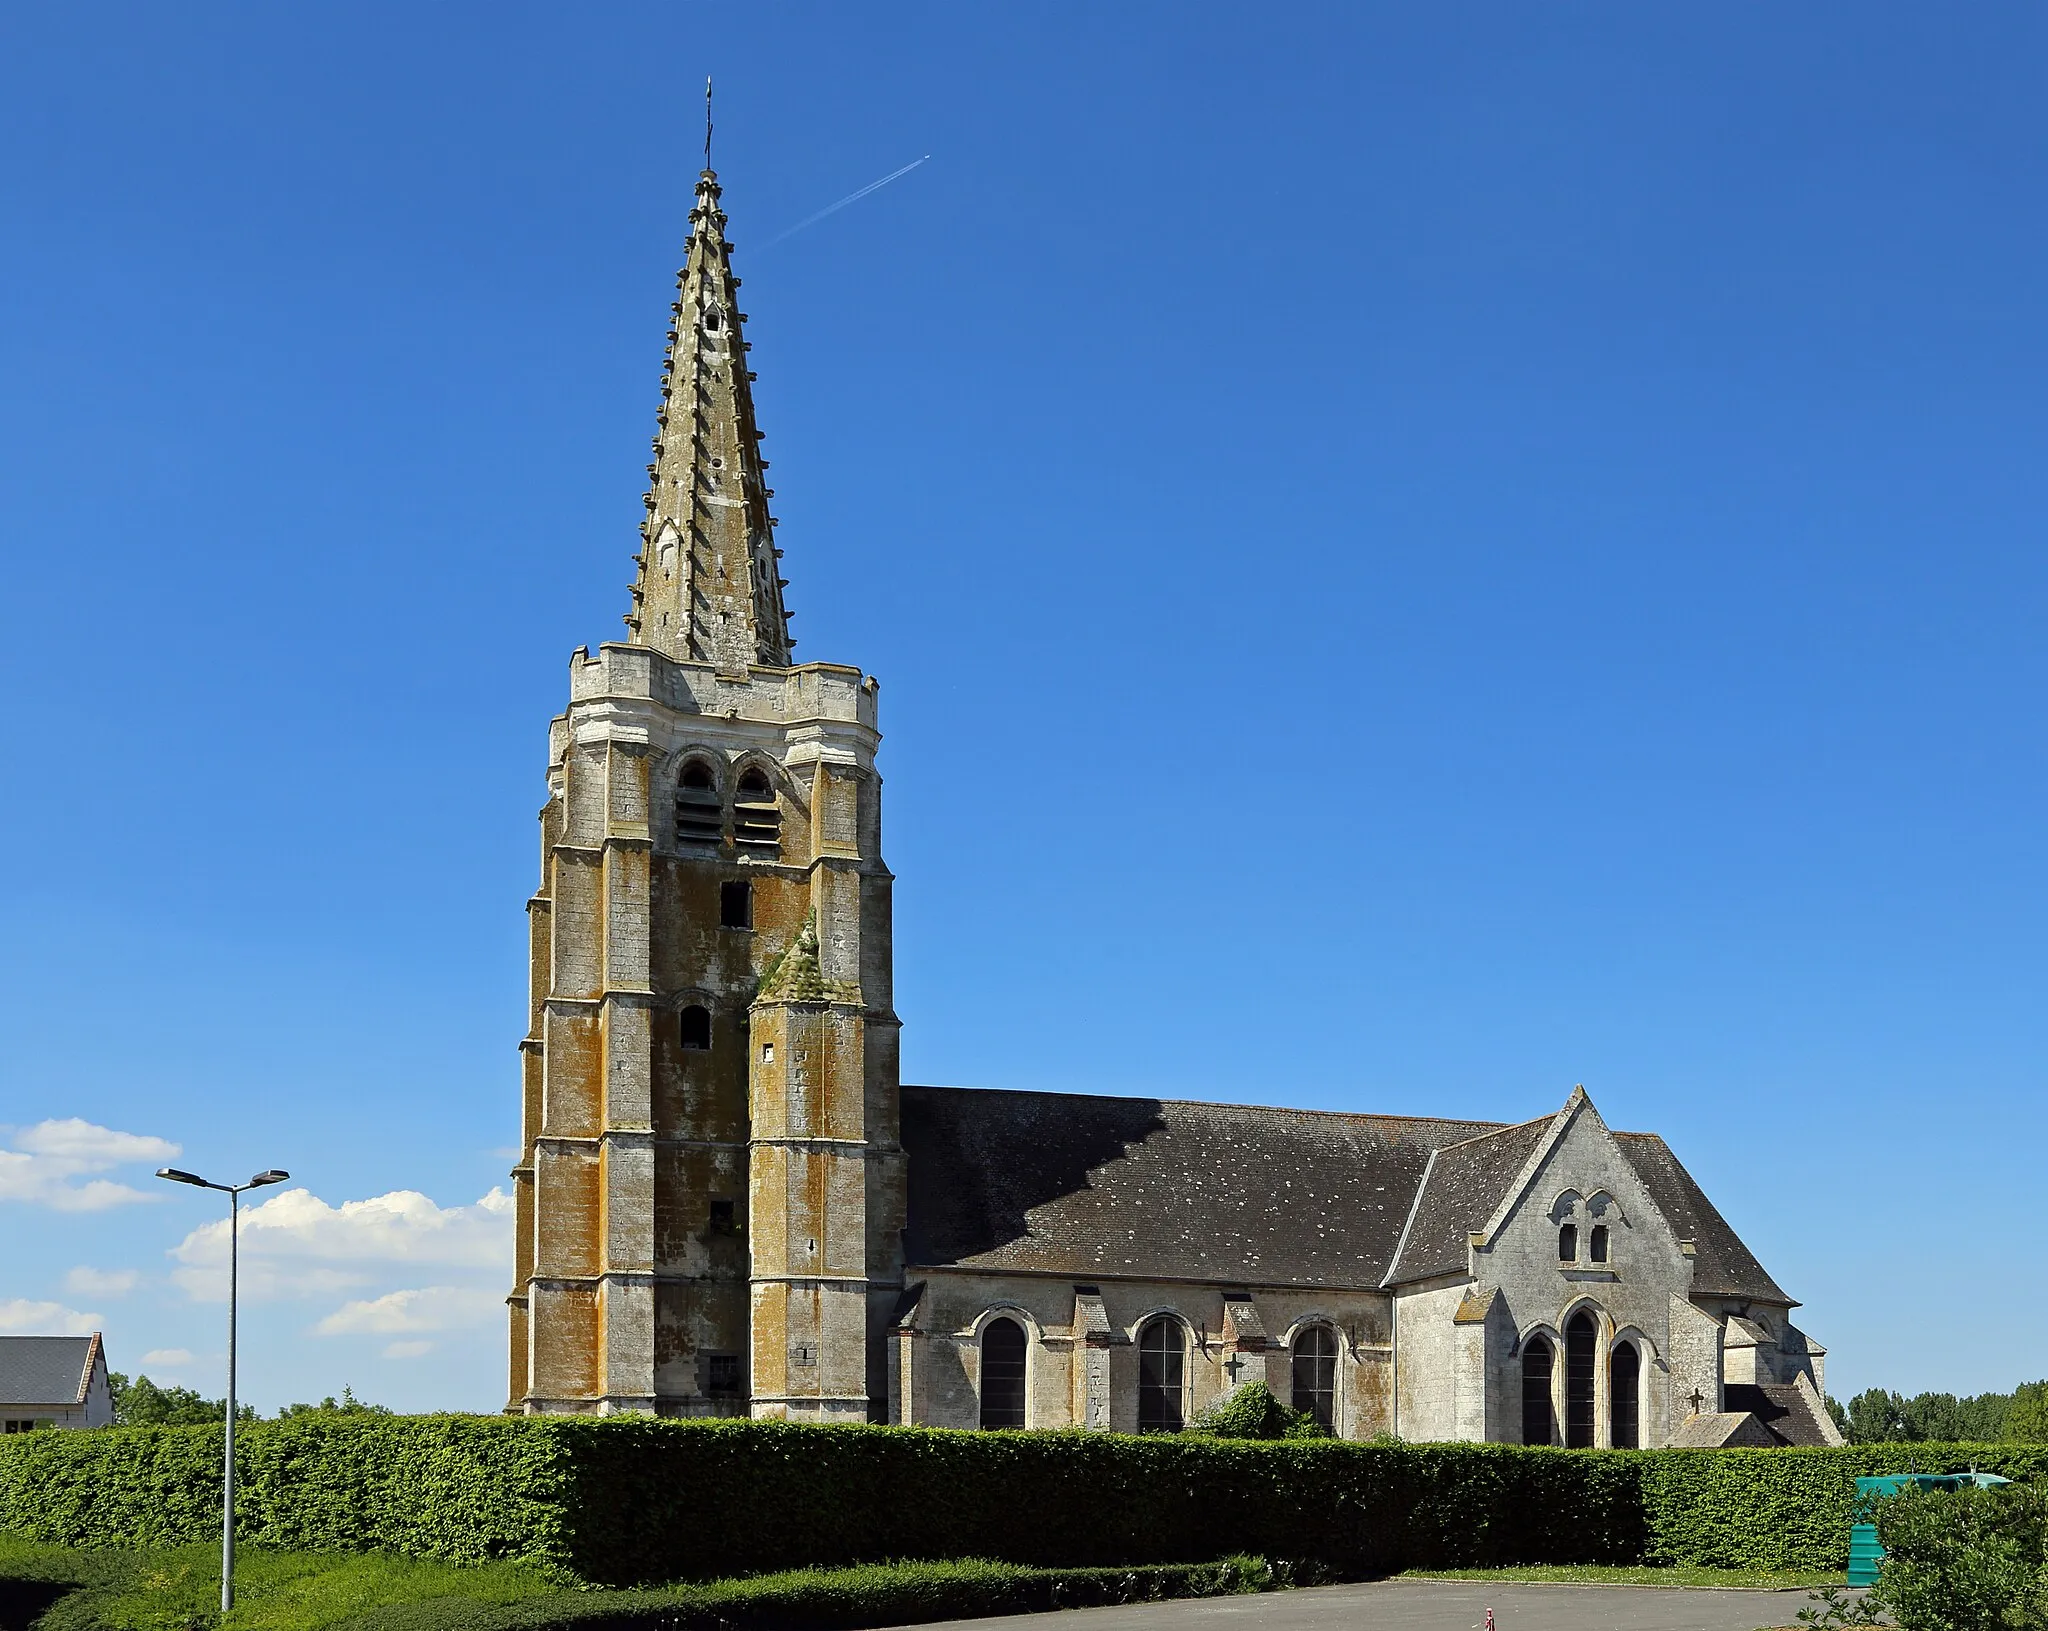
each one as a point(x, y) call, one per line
point(234, 1194)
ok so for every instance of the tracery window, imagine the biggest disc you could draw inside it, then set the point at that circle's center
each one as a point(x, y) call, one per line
point(1315, 1375)
point(1162, 1375)
point(699, 820)
point(1624, 1372)
point(1003, 1349)
point(1568, 1243)
point(1538, 1361)
point(1581, 1350)
point(1596, 1244)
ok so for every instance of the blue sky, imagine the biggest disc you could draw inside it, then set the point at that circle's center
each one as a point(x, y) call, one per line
point(1416, 556)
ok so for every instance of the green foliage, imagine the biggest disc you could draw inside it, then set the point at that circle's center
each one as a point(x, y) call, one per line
point(143, 1403)
point(1963, 1560)
point(627, 1501)
point(2027, 1421)
point(1253, 1412)
point(347, 1405)
point(1875, 1416)
point(68, 1589)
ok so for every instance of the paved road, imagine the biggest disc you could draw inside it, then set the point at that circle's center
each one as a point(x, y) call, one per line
point(1432, 1605)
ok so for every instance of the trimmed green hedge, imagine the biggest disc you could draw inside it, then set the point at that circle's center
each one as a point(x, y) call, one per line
point(628, 1500)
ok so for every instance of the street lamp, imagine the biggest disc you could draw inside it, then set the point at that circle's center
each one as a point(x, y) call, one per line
point(227, 1506)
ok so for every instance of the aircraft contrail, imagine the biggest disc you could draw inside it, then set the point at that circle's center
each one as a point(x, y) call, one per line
point(850, 198)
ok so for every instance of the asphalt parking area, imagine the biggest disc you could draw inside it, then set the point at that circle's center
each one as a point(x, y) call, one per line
point(1437, 1605)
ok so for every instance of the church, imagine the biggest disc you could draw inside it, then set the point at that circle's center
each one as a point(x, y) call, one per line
point(728, 1203)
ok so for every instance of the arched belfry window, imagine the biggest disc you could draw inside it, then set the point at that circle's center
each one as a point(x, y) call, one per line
point(1315, 1375)
point(1002, 1373)
point(756, 818)
point(696, 1028)
point(1538, 1361)
point(1581, 1357)
point(1568, 1243)
point(1162, 1375)
point(698, 817)
point(1624, 1378)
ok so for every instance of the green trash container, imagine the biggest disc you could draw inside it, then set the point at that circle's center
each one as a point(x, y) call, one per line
point(1864, 1552)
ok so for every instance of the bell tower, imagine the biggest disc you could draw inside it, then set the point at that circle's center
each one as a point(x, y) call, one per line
point(711, 1193)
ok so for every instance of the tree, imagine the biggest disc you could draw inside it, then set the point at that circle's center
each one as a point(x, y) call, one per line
point(142, 1403)
point(1876, 1416)
point(347, 1405)
point(2027, 1421)
point(1253, 1412)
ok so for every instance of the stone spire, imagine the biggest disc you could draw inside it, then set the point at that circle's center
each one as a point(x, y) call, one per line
point(708, 591)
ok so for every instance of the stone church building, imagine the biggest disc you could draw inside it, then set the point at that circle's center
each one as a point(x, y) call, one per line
point(728, 1203)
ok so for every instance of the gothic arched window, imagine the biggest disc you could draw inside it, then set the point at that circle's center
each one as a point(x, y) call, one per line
point(1315, 1375)
point(756, 818)
point(1581, 1356)
point(1002, 1373)
point(1568, 1243)
point(1162, 1375)
point(698, 817)
point(1538, 1360)
point(1624, 1371)
point(696, 1028)
point(1596, 1244)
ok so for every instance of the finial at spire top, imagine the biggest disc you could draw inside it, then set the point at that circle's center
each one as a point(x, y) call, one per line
point(707, 121)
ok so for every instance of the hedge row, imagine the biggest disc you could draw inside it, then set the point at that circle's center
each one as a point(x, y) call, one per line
point(629, 1500)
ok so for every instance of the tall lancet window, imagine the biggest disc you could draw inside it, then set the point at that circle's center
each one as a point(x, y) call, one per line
point(1002, 1373)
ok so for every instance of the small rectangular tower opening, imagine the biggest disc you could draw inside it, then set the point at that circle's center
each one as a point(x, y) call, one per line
point(735, 906)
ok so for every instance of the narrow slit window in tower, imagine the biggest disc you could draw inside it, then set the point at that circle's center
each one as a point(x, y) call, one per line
point(736, 905)
point(756, 819)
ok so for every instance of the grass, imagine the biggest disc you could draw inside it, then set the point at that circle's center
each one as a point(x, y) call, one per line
point(61, 1588)
point(1593, 1574)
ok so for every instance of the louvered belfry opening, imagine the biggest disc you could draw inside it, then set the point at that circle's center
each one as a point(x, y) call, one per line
point(1538, 1360)
point(756, 817)
point(1002, 1373)
point(1581, 1354)
point(699, 820)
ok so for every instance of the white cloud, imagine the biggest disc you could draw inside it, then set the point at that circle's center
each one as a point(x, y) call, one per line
point(92, 1282)
point(295, 1244)
point(407, 1350)
point(427, 1308)
point(47, 1158)
point(21, 1318)
point(172, 1357)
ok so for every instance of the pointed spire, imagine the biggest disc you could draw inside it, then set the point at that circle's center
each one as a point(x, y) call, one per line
point(708, 589)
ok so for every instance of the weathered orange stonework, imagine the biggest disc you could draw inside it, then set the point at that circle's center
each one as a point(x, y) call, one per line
point(710, 1199)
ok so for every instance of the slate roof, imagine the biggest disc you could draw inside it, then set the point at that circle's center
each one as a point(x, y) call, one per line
point(1722, 1429)
point(1784, 1409)
point(1722, 1265)
point(1463, 1189)
point(1077, 1184)
point(46, 1370)
point(1082, 1185)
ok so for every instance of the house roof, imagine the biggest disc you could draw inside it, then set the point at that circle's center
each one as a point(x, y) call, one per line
point(1076, 1184)
point(1082, 1185)
point(46, 1370)
point(1720, 1430)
